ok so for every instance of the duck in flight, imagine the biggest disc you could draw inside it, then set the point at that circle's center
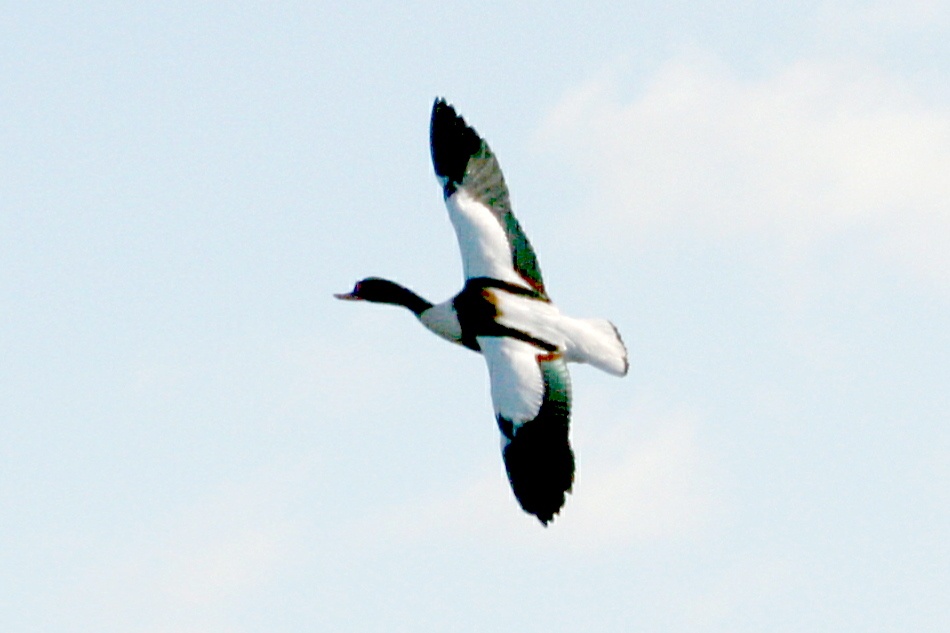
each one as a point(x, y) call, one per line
point(504, 312)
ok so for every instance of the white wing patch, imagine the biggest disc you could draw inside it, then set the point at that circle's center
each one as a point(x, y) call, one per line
point(517, 387)
point(482, 239)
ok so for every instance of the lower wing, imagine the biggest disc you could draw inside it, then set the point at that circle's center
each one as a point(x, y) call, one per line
point(531, 393)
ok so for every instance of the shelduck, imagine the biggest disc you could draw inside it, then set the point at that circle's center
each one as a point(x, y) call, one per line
point(504, 312)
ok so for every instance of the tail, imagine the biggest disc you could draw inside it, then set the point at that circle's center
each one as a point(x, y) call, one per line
point(597, 342)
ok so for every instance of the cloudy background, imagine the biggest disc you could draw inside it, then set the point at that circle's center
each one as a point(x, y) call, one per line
point(196, 438)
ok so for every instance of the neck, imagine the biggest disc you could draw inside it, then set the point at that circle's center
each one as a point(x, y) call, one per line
point(402, 296)
point(414, 302)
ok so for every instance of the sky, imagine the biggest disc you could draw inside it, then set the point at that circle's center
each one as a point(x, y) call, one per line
point(195, 437)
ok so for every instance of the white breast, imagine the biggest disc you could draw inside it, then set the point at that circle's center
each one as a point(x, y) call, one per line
point(441, 319)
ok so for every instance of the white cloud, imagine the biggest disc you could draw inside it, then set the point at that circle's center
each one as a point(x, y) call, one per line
point(815, 151)
point(886, 15)
point(216, 564)
point(660, 486)
point(183, 571)
point(753, 591)
point(650, 481)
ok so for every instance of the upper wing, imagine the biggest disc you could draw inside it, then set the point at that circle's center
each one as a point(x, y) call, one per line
point(490, 238)
point(531, 393)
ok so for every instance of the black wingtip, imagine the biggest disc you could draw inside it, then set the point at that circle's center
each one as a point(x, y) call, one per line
point(540, 465)
point(452, 143)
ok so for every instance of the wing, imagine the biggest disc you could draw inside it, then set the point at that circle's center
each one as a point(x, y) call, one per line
point(490, 239)
point(531, 393)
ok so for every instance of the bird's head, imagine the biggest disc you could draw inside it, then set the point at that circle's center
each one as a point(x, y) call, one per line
point(372, 289)
point(377, 290)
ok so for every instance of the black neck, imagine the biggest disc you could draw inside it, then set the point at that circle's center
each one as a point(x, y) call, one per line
point(380, 290)
point(405, 297)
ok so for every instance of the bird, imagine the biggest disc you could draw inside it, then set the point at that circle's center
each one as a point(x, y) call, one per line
point(504, 313)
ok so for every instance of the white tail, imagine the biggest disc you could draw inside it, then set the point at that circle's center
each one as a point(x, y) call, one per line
point(598, 343)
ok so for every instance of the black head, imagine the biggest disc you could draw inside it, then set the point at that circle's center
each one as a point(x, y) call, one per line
point(377, 290)
point(372, 289)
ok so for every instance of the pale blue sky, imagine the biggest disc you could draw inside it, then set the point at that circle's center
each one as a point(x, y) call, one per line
point(195, 437)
